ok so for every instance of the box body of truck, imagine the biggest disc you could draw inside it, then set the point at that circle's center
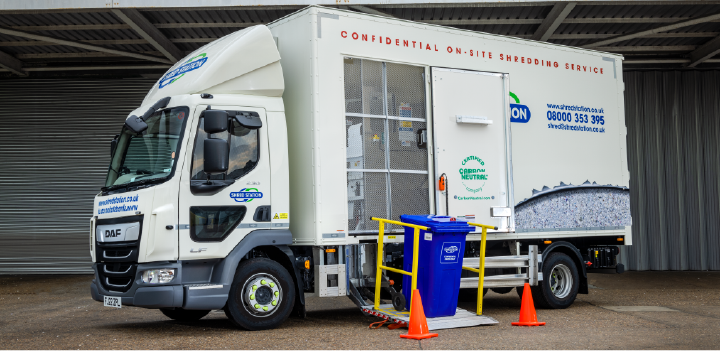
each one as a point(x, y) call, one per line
point(346, 71)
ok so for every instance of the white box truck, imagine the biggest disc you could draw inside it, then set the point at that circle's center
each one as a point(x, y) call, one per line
point(247, 178)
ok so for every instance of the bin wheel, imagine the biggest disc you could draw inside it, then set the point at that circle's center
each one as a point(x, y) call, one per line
point(398, 301)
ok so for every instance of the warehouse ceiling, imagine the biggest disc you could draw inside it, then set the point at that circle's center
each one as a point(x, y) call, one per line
point(133, 38)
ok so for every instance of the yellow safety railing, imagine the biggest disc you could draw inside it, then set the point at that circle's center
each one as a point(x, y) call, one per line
point(481, 268)
point(380, 267)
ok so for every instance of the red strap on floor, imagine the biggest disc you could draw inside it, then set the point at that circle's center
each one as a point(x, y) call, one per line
point(377, 324)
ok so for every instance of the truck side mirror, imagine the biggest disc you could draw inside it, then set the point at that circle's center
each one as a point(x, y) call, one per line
point(249, 120)
point(216, 121)
point(216, 155)
point(113, 144)
point(136, 124)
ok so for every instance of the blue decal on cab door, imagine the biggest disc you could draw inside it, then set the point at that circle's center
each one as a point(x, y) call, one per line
point(246, 195)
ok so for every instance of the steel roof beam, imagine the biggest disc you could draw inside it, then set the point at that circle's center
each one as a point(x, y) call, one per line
point(553, 20)
point(67, 55)
point(472, 3)
point(12, 64)
point(370, 10)
point(705, 52)
point(691, 22)
point(440, 22)
point(603, 36)
point(207, 40)
point(105, 42)
point(52, 6)
point(645, 48)
point(646, 61)
point(474, 22)
point(125, 26)
point(147, 31)
point(77, 44)
point(94, 68)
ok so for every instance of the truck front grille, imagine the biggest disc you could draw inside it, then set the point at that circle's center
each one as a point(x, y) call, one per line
point(117, 265)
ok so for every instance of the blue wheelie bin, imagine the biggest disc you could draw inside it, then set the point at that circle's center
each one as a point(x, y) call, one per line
point(441, 251)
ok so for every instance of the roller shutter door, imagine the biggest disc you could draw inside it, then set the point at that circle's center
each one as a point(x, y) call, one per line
point(54, 152)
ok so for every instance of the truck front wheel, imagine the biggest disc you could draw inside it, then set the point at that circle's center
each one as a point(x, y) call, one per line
point(262, 295)
point(560, 283)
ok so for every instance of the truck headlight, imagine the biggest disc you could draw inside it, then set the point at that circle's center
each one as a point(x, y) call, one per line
point(158, 276)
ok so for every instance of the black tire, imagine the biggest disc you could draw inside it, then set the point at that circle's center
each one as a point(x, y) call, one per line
point(398, 301)
point(501, 290)
point(560, 284)
point(275, 295)
point(182, 315)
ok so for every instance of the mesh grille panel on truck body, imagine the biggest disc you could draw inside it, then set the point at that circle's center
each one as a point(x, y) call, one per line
point(387, 173)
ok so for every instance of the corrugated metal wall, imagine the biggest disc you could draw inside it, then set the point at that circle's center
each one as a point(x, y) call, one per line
point(54, 152)
point(673, 125)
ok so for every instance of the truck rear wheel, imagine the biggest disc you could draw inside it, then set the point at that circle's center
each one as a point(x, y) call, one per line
point(501, 290)
point(182, 315)
point(560, 283)
point(262, 295)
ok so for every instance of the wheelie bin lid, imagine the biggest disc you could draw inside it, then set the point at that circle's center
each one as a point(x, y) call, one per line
point(438, 227)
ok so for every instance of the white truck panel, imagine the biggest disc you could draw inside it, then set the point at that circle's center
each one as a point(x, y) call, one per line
point(544, 77)
point(245, 62)
point(293, 41)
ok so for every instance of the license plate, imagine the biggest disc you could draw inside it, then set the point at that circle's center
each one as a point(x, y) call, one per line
point(111, 301)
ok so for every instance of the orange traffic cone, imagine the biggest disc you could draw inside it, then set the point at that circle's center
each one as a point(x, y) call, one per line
point(527, 309)
point(417, 328)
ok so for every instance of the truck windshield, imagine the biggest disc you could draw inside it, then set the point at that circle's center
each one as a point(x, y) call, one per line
point(148, 156)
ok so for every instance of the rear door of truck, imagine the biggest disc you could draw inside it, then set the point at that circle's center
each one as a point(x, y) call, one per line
point(472, 145)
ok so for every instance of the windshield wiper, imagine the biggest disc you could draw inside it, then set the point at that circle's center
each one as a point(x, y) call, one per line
point(129, 184)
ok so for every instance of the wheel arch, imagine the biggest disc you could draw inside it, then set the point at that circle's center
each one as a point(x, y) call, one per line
point(274, 243)
point(574, 254)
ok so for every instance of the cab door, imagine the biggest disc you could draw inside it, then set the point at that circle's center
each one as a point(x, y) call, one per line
point(214, 216)
point(471, 130)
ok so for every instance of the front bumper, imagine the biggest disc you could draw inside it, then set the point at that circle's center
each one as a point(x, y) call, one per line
point(193, 296)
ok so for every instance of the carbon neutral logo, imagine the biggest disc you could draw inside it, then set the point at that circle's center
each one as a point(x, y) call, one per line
point(472, 174)
point(518, 113)
point(189, 65)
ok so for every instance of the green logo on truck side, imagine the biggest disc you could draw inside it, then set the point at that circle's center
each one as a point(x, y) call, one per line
point(473, 174)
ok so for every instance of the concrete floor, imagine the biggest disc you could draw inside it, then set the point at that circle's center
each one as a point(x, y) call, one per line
point(56, 312)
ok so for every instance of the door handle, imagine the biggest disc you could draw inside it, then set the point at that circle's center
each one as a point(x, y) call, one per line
point(262, 214)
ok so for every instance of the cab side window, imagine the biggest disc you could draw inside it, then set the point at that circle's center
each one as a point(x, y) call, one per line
point(244, 151)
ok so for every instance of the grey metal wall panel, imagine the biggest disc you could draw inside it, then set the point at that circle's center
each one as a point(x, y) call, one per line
point(54, 153)
point(673, 121)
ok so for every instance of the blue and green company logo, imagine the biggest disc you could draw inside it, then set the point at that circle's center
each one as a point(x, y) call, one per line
point(518, 113)
point(246, 195)
point(189, 65)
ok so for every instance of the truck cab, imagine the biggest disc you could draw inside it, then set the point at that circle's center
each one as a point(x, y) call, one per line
point(192, 191)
